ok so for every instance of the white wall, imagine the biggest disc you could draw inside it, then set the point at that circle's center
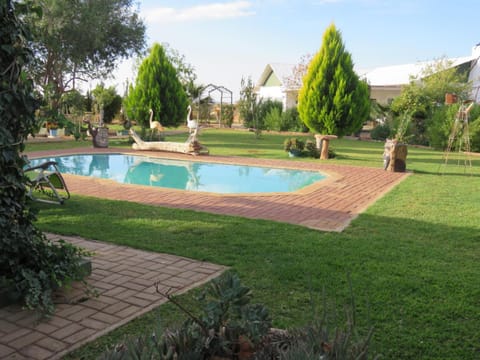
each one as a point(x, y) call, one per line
point(271, 92)
point(474, 75)
point(288, 99)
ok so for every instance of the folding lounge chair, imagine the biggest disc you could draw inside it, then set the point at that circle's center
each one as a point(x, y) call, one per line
point(46, 184)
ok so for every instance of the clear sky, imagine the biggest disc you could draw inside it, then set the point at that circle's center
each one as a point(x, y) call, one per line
point(226, 40)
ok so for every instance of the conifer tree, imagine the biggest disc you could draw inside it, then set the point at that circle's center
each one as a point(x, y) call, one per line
point(157, 87)
point(332, 100)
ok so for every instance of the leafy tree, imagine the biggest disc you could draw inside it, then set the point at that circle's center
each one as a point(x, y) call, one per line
point(248, 104)
point(29, 264)
point(186, 72)
point(295, 79)
point(73, 102)
point(423, 97)
point(333, 100)
point(157, 87)
point(80, 40)
point(108, 100)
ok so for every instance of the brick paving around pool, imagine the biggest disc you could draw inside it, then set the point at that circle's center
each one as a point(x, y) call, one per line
point(125, 281)
point(329, 205)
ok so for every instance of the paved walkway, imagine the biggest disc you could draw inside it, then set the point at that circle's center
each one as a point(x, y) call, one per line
point(329, 205)
point(125, 280)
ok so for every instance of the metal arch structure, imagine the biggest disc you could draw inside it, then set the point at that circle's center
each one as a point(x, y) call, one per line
point(225, 95)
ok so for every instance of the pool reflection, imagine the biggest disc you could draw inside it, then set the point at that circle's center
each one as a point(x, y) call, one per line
point(185, 175)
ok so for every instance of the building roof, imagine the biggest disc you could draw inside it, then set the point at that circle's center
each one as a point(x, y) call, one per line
point(402, 74)
point(396, 75)
point(281, 70)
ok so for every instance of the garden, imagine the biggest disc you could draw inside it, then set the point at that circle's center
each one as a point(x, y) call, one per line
point(411, 259)
point(403, 276)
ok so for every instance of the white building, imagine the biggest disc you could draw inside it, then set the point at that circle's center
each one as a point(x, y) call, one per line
point(385, 82)
point(273, 85)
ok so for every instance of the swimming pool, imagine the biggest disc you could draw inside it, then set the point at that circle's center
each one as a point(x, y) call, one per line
point(184, 175)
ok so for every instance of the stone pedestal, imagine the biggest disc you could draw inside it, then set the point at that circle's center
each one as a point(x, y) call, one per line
point(395, 156)
point(100, 137)
point(323, 142)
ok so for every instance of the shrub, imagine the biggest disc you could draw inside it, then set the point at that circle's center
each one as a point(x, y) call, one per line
point(265, 107)
point(380, 132)
point(232, 328)
point(440, 125)
point(273, 119)
point(227, 115)
point(229, 324)
point(293, 144)
point(291, 121)
point(475, 135)
point(311, 149)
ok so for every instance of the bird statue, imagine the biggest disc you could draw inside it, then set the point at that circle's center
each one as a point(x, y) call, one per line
point(154, 125)
point(191, 124)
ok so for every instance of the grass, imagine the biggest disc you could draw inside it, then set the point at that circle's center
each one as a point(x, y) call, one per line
point(413, 257)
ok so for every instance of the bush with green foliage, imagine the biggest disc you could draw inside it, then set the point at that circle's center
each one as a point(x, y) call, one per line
point(273, 120)
point(266, 107)
point(291, 121)
point(440, 124)
point(30, 265)
point(311, 149)
point(333, 100)
point(475, 135)
point(227, 115)
point(381, 132)
point(293, 144)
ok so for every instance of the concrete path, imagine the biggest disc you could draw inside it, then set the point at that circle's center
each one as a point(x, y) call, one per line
point(124, 279)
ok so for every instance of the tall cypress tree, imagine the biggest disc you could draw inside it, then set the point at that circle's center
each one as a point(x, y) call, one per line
point(157, 87)
point(332, 99)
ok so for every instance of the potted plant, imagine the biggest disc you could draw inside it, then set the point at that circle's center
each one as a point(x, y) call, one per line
point(52, 128)
point(293, 146)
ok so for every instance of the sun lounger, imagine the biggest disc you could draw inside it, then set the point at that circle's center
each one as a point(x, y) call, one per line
point(46, 184)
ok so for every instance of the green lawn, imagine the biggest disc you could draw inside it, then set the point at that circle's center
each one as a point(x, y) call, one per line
point(413, 257)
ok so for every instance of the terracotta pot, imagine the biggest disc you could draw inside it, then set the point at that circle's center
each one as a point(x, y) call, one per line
point(450, 98)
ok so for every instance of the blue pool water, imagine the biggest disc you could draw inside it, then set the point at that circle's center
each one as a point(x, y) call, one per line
point(184, 175)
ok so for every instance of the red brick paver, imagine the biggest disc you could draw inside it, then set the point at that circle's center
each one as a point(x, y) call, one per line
point(329, 205)
point(78, 320)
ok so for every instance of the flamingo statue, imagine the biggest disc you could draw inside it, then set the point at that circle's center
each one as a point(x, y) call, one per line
point(154, 125)
point(191, 124)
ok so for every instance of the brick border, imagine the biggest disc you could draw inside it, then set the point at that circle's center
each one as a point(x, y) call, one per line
point(329, 206)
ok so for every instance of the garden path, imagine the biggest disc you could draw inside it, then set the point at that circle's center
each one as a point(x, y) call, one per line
point(124, 279)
